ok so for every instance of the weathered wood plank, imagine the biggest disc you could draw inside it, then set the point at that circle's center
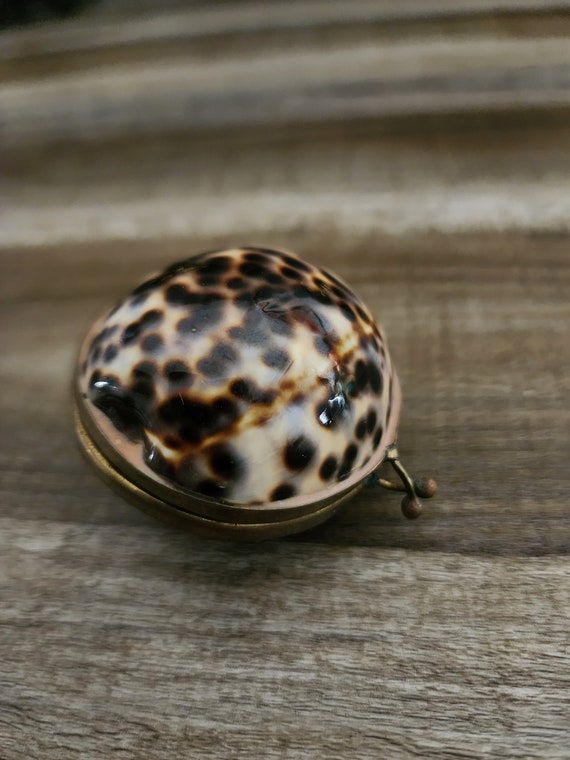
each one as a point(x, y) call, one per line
point(353, 184)
point(108, 35)
point(171, 22)
point(276, 651)
point(350, 82)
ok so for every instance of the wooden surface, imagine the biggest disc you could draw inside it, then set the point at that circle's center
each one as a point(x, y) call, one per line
point(420, 149)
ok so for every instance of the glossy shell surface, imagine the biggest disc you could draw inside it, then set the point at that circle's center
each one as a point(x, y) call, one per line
point(247, 376)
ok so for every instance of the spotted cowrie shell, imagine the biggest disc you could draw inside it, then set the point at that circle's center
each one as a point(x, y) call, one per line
point(244, 391)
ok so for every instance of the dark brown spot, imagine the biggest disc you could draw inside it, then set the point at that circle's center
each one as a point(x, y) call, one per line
point(151, 318)
point(192, 433)
point(108, 332)
point(202, 317)
point(274, 279)
point(182, 408)
point(210, 312)
point(151, 343)
point(97, 340)
point(236, 333)
point(256, 257)
point(252, 269)
point(178, 373)
point(130, 333)
point(212, 488)
point(295, 263)
point(342, 288)
point(253, 328)
point(216, 265)
point(247, 390)
point(276, 358)
point(371, 421)
point(225, 408)
point(291, 274)
point(178, 295)
point(264, 293)
point(209, 367)
point(224, 352)
point(244, 300)
point(340, 294)
point(135, 303)
point(377, 437)
point(298, 453)
point(143, 387)
point(346, 309)
point(241, 388)
point(323, 296)
point(302, 292)
point(375, 377)
point(283, 491)
point(360, 429)
point(361, 375)
point(218, 361)
point(278, 325)
point(208, 280)
point(350, 455)
point(328, 467)
point(236, 283)
point(226, 463)
point(144, 369)
point(186, 325)
point(193, 419)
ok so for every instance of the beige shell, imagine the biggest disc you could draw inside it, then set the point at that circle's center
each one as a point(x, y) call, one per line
point(247, 375)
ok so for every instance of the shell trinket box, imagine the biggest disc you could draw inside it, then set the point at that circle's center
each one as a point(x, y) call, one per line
point(243, 392)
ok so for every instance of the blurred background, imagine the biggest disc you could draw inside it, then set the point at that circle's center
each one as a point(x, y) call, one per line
point(281, 120)
point(419, 148)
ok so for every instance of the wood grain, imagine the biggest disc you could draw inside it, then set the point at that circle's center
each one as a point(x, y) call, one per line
point(443, 199)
